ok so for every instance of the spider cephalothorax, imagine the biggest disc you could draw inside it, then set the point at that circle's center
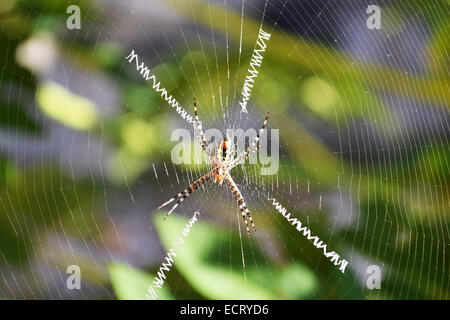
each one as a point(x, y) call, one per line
point(223, 161)
point(224, 157)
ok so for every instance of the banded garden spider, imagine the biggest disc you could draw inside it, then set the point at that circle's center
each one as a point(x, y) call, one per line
point(223, 161)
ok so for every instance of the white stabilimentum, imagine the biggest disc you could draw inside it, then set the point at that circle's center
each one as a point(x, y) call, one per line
point(158, 282)
point(145, 72)
point(252, 72)
point(333, 256)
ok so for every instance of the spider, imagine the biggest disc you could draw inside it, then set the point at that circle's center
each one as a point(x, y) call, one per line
point(223, 161)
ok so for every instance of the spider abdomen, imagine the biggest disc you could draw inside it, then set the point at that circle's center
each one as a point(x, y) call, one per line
point(225, 151)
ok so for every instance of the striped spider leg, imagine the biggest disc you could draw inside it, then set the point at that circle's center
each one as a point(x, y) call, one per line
point(223, 161)
point(253, 146)
point(180, 197)
point(240, 200)
point(198, 130)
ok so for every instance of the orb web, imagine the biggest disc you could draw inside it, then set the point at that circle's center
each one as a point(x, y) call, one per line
point(361, 116)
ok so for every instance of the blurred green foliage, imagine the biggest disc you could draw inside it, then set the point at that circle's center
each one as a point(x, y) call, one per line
point(132, 284)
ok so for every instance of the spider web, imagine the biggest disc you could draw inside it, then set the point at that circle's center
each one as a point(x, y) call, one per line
point(363, 125)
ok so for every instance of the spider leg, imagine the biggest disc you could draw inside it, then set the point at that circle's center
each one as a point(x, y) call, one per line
point(253, 147)
point(240, 200)
point(181, 196)
point(245, 157)
point(199, 131)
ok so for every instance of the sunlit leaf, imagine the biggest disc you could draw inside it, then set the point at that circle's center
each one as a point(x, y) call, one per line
point(297, 281)
point(132, 284)
point(195, 262)
point(70, 109)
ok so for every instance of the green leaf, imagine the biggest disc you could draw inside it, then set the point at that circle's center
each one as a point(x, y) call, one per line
point(297, 281)
point(132, 284)
point(195, 260)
